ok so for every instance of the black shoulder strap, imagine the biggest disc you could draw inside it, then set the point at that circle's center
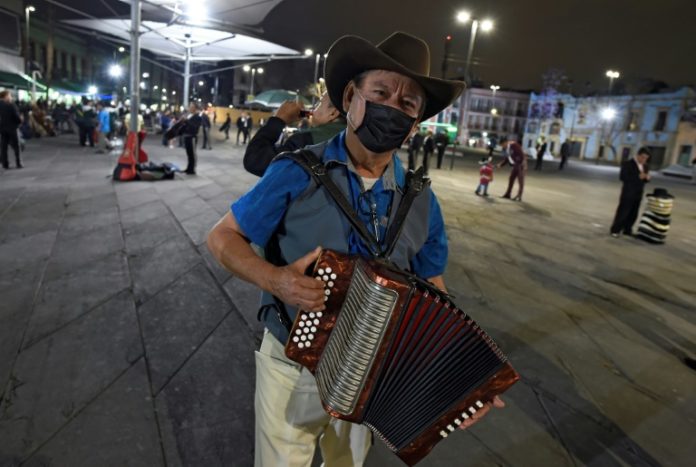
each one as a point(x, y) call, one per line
point(416, 182)
point(311, 163)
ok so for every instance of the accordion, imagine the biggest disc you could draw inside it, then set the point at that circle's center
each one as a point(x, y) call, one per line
point(394, 353)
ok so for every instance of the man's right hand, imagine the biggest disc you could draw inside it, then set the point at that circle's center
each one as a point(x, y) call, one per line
point(291, 285)
point(289, 112)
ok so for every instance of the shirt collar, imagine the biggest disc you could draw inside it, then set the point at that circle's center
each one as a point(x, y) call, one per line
point(336, 152)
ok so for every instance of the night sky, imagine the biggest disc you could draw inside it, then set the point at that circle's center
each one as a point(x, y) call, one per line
point(642, 39)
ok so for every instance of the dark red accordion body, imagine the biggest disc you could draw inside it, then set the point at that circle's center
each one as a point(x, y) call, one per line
point(394, 353)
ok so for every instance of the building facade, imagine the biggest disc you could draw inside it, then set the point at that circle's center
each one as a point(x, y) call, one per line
point(608, 128)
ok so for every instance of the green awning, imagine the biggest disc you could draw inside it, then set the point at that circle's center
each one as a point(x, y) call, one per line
point(13, 80)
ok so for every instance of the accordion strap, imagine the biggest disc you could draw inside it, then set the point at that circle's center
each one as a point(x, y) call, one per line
point(416, 182)
point(311, 163)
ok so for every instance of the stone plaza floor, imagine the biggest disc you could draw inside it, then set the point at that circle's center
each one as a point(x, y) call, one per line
point(123, 343)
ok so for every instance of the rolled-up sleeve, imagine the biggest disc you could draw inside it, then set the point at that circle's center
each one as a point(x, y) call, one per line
point(260, 210)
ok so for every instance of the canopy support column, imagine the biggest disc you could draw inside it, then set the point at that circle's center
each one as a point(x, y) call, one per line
point(135, 68)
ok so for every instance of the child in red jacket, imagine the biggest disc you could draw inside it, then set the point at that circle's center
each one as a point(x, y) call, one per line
point(486, 174)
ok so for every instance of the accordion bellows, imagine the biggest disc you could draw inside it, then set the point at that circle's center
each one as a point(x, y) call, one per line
point(394, 353)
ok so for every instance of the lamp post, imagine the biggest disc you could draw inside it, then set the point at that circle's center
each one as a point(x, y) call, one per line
point(253, 71)
point(612, 75)
point(486, 25)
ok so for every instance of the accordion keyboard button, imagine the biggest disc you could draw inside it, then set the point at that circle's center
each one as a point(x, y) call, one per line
point(327, 292)
point(333, 276)
point(319, 314)
point(444, 434)
point(314, 329)
point(301, 324)
point(325, 278)
point(472, 410)
point(300, 345)
point(479, 404)
point(320, 272)
point(330, 284)
point(318, 278)
point(457, 422)
point(316, 322)
point(303, 317)
point(310, 337)
point(450, 427)
point(307, 344)
point(295, 339)
point(298, 331)
point(465, 415)
point(326, 298)
point(312, 315)
point(328, 270)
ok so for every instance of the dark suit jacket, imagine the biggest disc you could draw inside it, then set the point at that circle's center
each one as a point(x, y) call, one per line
point(9, 117)
point(630, 176)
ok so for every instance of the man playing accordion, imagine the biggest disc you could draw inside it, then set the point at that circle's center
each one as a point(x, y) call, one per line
point(385, 91)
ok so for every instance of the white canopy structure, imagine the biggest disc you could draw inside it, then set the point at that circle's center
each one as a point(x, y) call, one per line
point(189, 43)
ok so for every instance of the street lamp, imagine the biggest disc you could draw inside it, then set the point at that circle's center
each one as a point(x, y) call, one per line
point(308, 52)
point(115, 71)
point(122, 49)
point(612, 75)
point(29, 9)
point(253, 71)
point(494, 88)
point(201, 83)
point(486, 25)
point(92, 90)
point(608, 113)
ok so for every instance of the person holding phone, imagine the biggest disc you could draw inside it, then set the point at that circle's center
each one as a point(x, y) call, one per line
point(324, 123)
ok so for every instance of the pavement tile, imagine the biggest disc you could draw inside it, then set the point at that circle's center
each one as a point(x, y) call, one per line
point(197, 227)
point(135, 198)
point(66, 297)
point(178, 319)
point(74, 251)
point(92, 205)
point(117, 429)
point(142, 237)
point(77, 225)
point(189, 208)
point(161, 265)
point(209, 404)
point(246, 298)
point(76, 363)
point(143, 213)
point(35, 250)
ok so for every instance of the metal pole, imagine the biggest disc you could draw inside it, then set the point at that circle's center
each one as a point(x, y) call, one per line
point(28, 66)
point(469, 55)
point(135, 67)
point(187, 73)
point(316, 78)
point(253, 74)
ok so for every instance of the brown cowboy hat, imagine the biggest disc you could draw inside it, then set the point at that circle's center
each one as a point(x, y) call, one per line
point(402, 53)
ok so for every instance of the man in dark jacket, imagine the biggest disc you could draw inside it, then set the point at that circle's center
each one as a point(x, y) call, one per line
point(325, 123)
point(634, 175)
point(565, 154)
point(414, 145)
point(190, 135)
point(9, 123)
point(541, 150)
point(441, 141)
point(205, 124)
point(428, 149)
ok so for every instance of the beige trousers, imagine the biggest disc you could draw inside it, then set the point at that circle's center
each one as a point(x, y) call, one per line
point(290, 418)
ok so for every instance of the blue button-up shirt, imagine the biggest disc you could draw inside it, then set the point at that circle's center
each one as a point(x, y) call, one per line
point(260, 211)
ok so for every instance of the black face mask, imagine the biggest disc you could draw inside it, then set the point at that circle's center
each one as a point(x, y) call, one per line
point(383, 128)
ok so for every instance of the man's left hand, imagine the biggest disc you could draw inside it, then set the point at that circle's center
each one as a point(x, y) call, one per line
point(497, 403)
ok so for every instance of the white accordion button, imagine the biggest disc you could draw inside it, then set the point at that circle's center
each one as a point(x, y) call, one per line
point(319, 314)
point(328, 270)
point(479, 404)
point(457, 422)
point(310, 337)
point(296, 339)
point(301, 324)
point(450, 427)
point(311, 315)
point(314, 329)
point(327, 292)
point(320, 272)
point(303, 337)
point(306, 329)
point(444, 434)
point(472, 410)
point(307, 344)
point(303, 317)
point(325, 278)
point(326, 298)
point(298, 331)
point(300, 345)
point(330, 284)
point(333, 277)
point(316, 321)
point(465, 415)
